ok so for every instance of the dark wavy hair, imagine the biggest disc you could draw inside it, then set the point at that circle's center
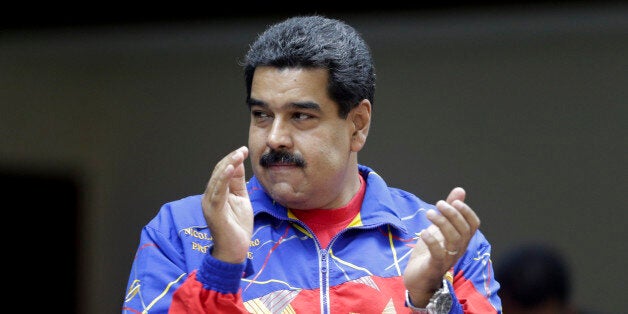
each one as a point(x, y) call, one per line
point(317, 42)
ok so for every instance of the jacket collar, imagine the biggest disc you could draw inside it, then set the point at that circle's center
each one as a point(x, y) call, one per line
point(377, 208)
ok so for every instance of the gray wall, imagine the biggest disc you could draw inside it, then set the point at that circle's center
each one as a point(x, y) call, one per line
point(525, 109)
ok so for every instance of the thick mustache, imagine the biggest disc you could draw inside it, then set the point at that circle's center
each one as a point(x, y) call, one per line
point(275, 157)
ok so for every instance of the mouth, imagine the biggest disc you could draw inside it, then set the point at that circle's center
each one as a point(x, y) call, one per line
point(281, 165)
point(281, 171)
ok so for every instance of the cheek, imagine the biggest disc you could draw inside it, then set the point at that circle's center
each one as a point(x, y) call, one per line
point(329, 150)
point(256, 137)
point(256, 144)
point(341, 141)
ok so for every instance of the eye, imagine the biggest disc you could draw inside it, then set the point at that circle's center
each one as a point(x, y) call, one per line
point(259, 114)
point(302, 116)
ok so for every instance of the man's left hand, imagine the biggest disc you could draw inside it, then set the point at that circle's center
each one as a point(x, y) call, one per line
point(439, 246)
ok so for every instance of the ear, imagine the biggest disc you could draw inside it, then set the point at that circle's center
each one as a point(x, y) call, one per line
point(361, 118)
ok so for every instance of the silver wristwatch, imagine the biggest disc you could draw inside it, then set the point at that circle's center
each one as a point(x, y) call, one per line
point(440, 302)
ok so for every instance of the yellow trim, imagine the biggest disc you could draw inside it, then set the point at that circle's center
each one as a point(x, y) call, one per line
point(349, 264)
point(356, 222)
point(449, 276)
point(163, 293)
point(134, 288)
point(394, 252)
point(296, 226)
point(269, 281)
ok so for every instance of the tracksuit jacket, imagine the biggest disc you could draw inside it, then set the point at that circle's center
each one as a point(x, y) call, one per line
point(361, 271)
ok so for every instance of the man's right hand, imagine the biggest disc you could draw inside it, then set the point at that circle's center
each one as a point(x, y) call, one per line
point(227, 208)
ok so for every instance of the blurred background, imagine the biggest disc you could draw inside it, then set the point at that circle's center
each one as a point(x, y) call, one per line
point(107, 113)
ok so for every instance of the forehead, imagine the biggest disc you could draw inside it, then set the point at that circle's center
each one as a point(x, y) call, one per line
point(271, 84)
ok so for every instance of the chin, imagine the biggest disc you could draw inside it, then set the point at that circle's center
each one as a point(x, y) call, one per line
point(284, 194)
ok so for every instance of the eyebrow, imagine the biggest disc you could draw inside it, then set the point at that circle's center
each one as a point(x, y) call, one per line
point(310, 105)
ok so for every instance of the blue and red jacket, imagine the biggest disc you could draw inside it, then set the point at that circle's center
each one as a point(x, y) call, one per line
point(361, 271)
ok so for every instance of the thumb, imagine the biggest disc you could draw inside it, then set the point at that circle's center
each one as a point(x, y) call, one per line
point(457, 193)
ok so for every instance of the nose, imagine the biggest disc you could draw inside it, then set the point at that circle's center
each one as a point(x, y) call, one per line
point(279, 136)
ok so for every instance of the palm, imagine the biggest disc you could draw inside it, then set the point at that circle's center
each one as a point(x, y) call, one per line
point(239, 218)
point(227, 208)
point(423, 263)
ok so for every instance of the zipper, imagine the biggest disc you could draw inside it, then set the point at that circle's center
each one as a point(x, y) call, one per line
point(324, 277)
point(323, 259)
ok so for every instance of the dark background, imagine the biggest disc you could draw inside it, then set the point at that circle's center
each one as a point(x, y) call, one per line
point(110, 111)
point(63, 14)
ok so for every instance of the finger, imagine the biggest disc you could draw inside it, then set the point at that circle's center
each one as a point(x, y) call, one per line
point(215, 198)
point(456, 193)
point(231, 159)
point(469, 215)
point(436, 233)
point(237, 184)
point(451, 237)
point(453, 215)
point(216, 188)
point(432, 239)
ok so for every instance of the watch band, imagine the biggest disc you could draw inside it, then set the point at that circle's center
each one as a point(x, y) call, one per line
point(414, 309)
point(440, 302)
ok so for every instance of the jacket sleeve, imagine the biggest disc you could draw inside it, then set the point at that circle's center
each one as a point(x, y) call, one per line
point(157, 270)
point(475, 288)
point(161, 280)
point(214, 288)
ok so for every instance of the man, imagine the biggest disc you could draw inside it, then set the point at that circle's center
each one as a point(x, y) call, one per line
point(313, 231)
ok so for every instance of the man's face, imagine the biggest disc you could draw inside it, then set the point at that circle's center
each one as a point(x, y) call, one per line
point(300, 148)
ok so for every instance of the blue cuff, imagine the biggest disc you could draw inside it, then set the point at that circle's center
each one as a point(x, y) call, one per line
point(456, 307)
point(220, 276)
